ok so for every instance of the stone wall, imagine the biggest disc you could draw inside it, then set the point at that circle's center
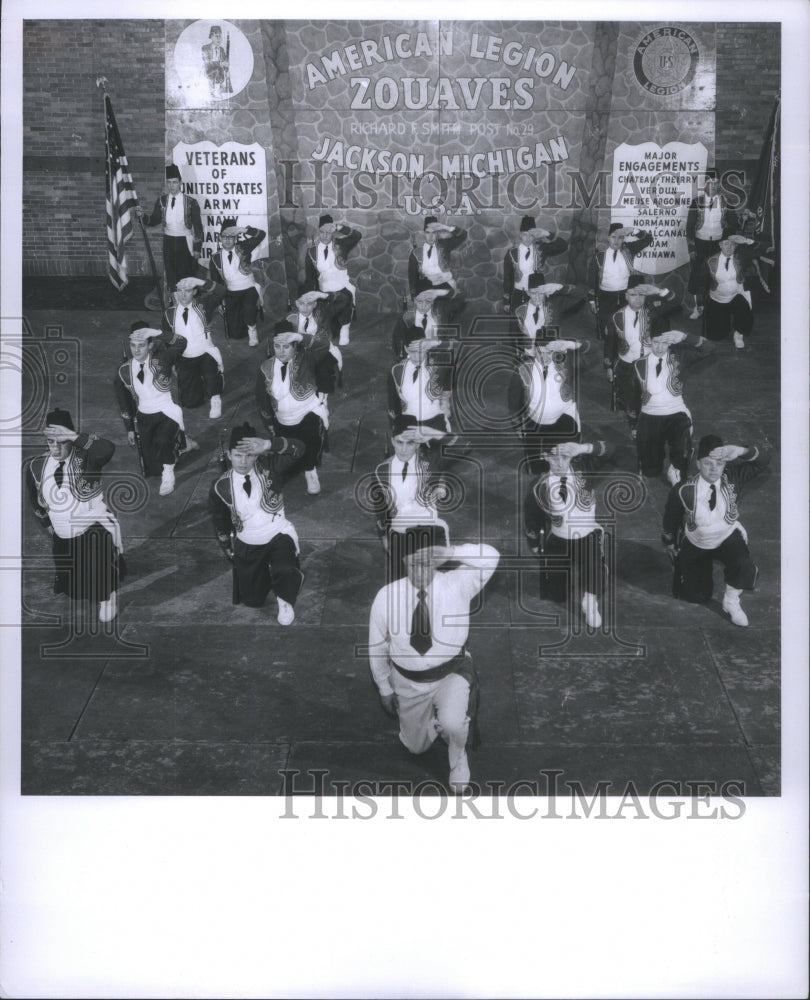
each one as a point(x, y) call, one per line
point(302, 123)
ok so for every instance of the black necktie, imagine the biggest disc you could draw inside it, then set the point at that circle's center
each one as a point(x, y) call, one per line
point(711, 202)
point(635, 320)
point(185, 315)
point(615, 255)
point(326, 251)
point(246, 485)
point(537, 314)
point(712, 497)
point(415, 373)
point(728, 261)
point(404, 471)
point(230, 256)
point(430, 251)
point(283, 370)
point(545, 371)
point(658, 366)
point(139, 376)
point(172, 201)
point(306, 326)
point(420, 626)
point(424, 322)
point(59, 474)
point(563, 489)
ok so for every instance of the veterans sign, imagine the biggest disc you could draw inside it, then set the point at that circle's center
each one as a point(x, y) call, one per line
point(229, 182)
point(653, 187)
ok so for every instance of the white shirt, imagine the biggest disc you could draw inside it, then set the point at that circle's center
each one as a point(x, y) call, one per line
point(69, 516)
point(524, 256)
point(307, 324)
point(430, 328)
point(289, 410)
point(175, 217)
point(712, 228)
point(409, 508)
point(258, 525)
point(727, 285)
point(193, 330)
point(662, 400)
point(576, 522)
point(414, 392)
point(546, 404)
point(711, 528)
point(632, 334)
point(615, 273)
point(152, 399)
point(448, 599)
point(532, 325)
point(331, 278)
point(235, 280)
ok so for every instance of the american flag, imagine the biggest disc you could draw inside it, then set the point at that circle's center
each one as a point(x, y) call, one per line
point(121, 201)
point(762, 215)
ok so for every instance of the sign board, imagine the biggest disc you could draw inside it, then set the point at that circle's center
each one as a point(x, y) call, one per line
point(653, 187)
point(229, 181)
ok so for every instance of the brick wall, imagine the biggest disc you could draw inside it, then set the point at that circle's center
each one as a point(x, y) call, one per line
point(748, 78)
point(63, 136)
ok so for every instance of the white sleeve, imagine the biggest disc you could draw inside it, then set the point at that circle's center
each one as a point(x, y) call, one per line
point(378, 643)
point(479, 562)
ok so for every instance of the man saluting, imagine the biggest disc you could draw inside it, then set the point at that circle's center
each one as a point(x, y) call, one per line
point(247, 509)
point(418, 649)
point(65, 491)
point(701, 525)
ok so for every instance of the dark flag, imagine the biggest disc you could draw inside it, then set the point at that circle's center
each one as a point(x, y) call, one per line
point(121, 201)
point(762, 217)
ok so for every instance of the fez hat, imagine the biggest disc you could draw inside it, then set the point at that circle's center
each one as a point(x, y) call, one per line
point(325, 220)
point(527, 224)
point(215, 30)
point(711, 174)
point(60, 417)
point(728, 231)
point(614, 226)
point(142, 332)
point(243, 431)
point(636, 279)
point(402, 423)
point(413, 333)
point(230, 228)
point(283, 326)
point(535, 280)
point(707, 444)
point(172, 172)
point(429, 221)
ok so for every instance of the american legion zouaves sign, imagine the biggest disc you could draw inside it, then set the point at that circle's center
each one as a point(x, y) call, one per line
point(483, 120)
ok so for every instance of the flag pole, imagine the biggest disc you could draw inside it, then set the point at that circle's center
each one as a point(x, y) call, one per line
point(157, 293)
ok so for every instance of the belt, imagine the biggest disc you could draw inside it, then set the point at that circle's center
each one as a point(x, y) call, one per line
point(433, 673)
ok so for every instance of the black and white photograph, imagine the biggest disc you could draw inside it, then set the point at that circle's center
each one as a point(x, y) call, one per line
point(404, 424)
